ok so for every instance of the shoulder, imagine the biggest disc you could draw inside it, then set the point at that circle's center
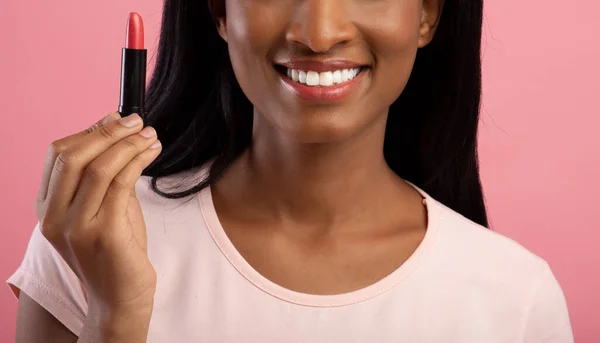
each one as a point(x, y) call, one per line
point(495, 270)
point(498, 270)
point(489, 270)
point(484, 246)
point(485, 260)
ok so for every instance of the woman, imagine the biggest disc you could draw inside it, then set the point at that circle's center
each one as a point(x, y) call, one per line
point(317, 182)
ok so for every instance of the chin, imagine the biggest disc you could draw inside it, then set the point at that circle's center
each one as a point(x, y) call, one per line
point(322, 127)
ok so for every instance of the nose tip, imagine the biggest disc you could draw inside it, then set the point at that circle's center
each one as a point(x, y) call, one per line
point(320, 25)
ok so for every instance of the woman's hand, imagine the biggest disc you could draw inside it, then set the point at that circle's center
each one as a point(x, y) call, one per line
point(88, 211)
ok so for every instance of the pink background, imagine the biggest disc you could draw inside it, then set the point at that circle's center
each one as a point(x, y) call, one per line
point(59, 72)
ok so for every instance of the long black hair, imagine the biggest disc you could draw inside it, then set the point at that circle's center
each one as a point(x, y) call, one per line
point(201, 114)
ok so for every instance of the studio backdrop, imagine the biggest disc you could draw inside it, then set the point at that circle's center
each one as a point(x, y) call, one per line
point(539, 136)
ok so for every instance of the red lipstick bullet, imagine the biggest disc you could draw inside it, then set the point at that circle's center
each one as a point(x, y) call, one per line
point(135, 32)
point(133, 68)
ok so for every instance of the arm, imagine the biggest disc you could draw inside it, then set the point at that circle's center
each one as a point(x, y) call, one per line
point(98, 255)
point(35, 324)
point(118, 326)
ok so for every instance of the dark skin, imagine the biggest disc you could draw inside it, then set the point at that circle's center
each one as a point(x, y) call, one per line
point(312, 204)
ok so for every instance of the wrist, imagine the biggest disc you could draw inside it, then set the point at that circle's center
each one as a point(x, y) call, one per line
point(126, 327)
point(121, 324)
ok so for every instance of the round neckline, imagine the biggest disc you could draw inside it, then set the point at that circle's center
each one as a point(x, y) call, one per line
point(381, 286)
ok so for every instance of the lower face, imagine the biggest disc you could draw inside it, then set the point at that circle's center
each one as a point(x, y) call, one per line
point(380, 38)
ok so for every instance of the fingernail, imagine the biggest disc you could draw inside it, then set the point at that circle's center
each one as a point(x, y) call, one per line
point(155, 145)
point(109, 118)
point(148, 132)
point(131, 120)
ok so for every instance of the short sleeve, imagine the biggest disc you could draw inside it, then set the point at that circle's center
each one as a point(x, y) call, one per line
point(548, 320)
point(45, 277)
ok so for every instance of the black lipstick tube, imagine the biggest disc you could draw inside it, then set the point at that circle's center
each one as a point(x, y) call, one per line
point(133, 82)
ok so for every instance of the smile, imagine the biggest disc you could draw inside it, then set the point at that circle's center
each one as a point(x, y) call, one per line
point(329, 86)
point(322, 79)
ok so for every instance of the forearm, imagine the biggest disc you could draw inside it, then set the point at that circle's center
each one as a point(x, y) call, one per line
point(116, 327)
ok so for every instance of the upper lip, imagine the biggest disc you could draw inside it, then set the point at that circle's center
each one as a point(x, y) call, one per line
point(320, 66)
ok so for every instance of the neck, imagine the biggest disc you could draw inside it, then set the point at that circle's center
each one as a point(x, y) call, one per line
point(314, 184)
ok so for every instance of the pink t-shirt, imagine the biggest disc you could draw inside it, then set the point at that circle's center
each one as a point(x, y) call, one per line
point(463, 284)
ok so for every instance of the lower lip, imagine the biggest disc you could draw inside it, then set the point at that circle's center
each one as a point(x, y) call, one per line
point(330, 93)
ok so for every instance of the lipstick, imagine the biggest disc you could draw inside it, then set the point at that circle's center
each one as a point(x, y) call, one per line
point(133, 68)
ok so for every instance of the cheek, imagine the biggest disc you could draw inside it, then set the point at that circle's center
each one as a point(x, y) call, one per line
point(393, 40)
point(251, 26)
point(396, 29)
point(251, 33)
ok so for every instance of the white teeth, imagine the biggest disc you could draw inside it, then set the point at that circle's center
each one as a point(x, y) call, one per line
point(326, 78)
point(345, 75)
point(337, 76)
point(312, 78)
point(302, 76)
point(323, 79)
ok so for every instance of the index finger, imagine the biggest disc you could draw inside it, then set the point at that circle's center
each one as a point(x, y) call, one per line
point(73, 163)
point(60, 145)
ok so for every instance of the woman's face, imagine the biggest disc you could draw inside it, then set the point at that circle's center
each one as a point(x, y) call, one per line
point(325, 70)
